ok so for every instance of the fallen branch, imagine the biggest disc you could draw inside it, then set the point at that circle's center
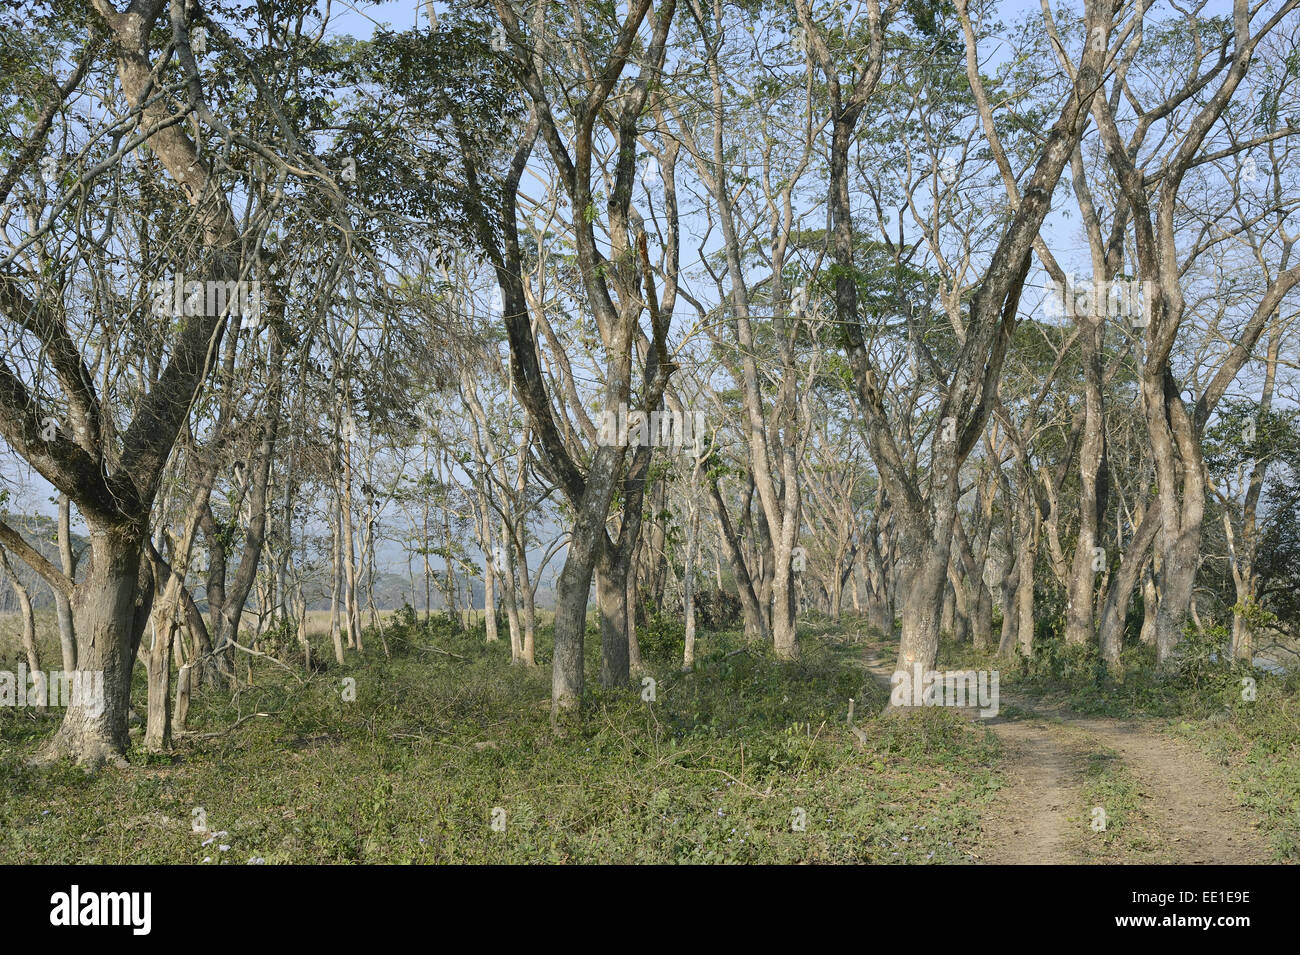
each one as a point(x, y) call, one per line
point(439, 650)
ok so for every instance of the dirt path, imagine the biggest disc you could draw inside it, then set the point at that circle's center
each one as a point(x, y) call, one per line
point(1190, 803)
point(1033, 821)
point(1187, 813)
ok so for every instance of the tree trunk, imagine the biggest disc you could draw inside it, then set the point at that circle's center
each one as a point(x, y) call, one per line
point(510, 594)
point(571, 592)
point(982, 622)
point(755, 624)
point(634, 664)
point(29, 630)
point(336, 581)
point(528, 651)
point(688, 583)
point(1010, 612)
point(574, 585)
point(783, 605)
point(1150, 608)
point(1244, 550)
point(1080, 627)
point(158, 667)
point(62, 607)
point(1122, 583)
point(611, 599)
point(489, 572)
point(948, 612)
point(184, 686)
point(110, 609)
point(351, 604)
point(922, 605)
point(1243, 629)
point(1025, 604)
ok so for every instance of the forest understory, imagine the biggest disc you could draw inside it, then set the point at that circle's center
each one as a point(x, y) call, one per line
point(448, 753)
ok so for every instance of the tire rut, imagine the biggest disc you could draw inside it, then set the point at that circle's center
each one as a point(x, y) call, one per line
point(1038, 816)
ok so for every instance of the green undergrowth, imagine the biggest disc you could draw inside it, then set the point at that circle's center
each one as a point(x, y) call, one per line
point(1112, 810)
point(447, 753)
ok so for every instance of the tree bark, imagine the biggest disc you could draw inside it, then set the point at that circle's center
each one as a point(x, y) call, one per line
point(611, 599)
point(62, 607)
point(28, 628)
point(110, 609)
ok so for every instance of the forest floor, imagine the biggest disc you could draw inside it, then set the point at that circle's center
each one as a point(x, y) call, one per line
point(446, 753)
point(1065, 775)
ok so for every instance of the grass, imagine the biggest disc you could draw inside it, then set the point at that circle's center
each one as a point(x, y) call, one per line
point(1111, 803)
point(746, 759)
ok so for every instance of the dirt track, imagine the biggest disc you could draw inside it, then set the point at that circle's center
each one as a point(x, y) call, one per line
point(1189, 814)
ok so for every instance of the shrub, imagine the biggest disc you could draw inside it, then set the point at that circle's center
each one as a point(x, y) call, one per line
point(663, 639)
point(717, 609)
